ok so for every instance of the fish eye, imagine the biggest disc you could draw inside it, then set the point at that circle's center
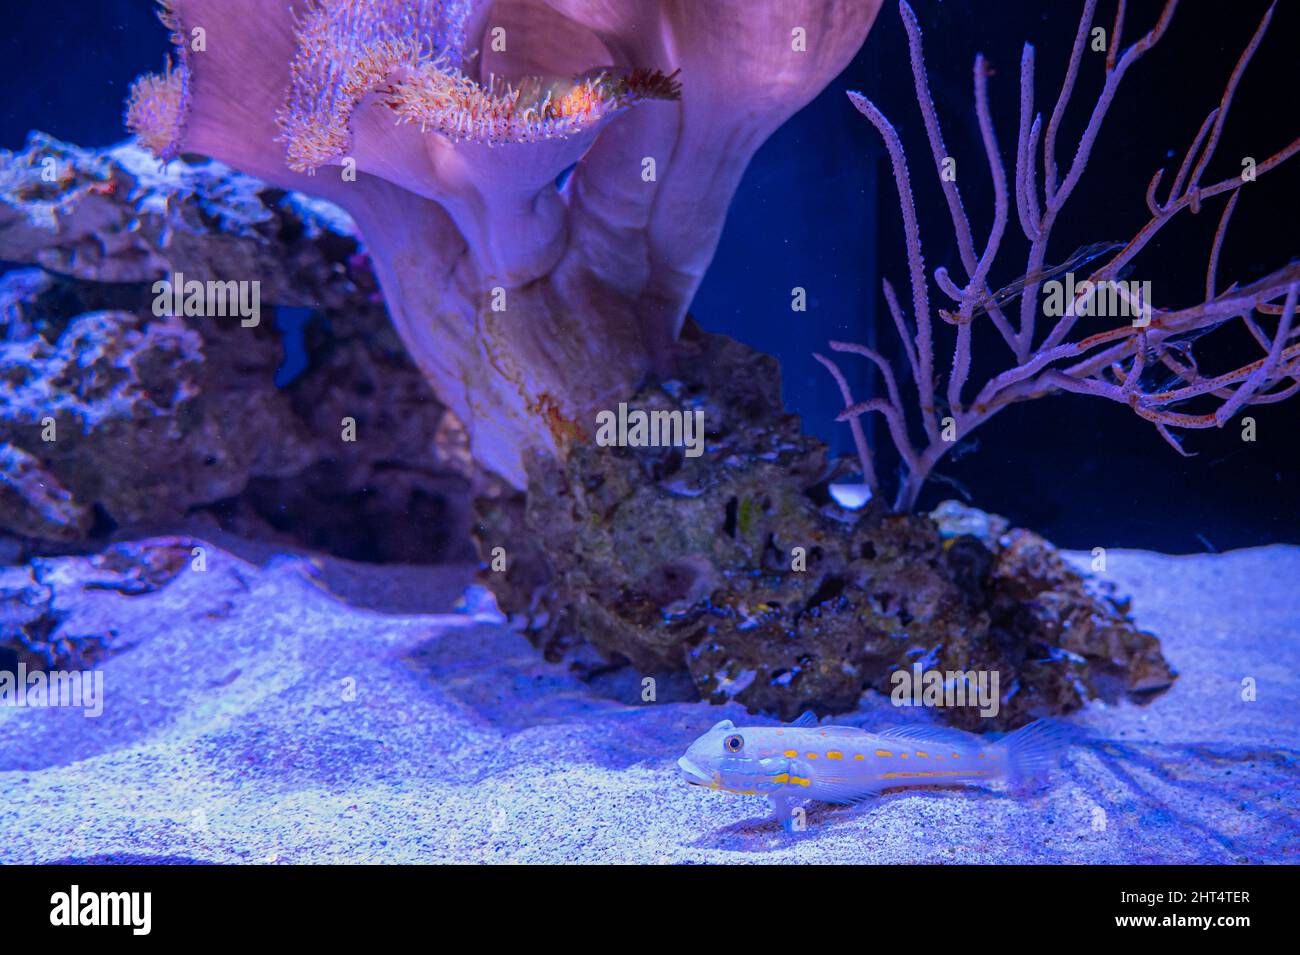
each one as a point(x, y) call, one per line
point(734, 743)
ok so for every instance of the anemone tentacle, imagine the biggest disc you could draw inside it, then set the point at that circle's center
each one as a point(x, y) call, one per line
point(411, 55)
point(158, 103)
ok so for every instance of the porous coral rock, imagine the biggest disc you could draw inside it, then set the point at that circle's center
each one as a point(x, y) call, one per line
point(161, 420)
point(35, 503)
point(38, 600)
point(671, 562)
point(119, 215)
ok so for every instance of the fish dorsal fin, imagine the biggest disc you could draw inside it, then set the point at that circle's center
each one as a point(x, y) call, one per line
point(841, 730)
point(929, 734)
point(808, 718)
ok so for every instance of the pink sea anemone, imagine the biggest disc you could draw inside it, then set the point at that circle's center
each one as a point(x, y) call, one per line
point(441, 126)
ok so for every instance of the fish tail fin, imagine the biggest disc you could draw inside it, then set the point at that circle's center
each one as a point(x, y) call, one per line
point(1034, 750)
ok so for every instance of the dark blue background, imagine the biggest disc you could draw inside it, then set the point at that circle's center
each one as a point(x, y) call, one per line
point(1082, 471)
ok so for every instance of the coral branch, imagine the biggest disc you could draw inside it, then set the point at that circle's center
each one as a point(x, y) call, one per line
point(1063, 99)
point(855, 425)
point(916, 264)
point(1109, 364)
point(1026, 189)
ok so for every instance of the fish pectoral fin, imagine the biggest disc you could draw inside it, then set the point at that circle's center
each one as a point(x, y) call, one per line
point(843, 791)
point(783, 812)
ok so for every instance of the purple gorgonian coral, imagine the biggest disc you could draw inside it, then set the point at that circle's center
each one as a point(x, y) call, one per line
point(1157, 364)
point(442, 128)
